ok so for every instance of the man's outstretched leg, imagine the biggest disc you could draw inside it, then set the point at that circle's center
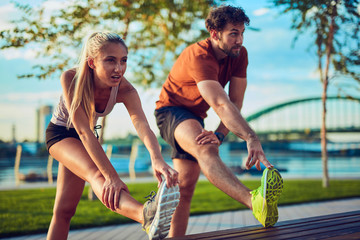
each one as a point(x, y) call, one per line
point(210, 163)
point(224, 179)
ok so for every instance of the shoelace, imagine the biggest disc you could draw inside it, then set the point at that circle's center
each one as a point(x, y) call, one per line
point(151, 196)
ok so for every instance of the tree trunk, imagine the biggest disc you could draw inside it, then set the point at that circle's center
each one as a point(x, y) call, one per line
point(329, 44)
point(324, 153)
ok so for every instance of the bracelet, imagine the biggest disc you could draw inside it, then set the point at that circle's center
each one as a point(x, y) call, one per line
point(220, 136)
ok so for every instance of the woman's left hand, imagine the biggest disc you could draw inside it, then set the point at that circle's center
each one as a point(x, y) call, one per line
point(162, 168)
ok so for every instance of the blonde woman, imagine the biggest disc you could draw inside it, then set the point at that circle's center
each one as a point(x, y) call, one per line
point(91, 91)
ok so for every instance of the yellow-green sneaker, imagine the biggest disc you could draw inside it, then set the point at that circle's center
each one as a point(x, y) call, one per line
point(264, 199)
point(158, 211)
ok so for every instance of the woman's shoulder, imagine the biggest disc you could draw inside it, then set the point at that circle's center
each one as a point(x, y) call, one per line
point(68, 75)
point(125, 85)
point(125, 88)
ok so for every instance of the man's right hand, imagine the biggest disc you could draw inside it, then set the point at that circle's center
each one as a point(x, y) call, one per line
point(256, 154)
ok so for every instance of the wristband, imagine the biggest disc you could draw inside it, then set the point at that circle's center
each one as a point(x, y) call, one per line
point(220, 136)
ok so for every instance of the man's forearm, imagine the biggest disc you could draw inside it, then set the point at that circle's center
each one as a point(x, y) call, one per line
point(232, 120)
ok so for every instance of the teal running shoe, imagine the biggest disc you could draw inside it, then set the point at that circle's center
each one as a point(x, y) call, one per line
point(264, 199)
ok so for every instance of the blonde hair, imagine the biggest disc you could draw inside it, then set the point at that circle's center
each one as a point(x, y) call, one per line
point(82, 85)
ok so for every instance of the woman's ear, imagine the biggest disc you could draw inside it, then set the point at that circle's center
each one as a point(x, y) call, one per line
point(90, 62)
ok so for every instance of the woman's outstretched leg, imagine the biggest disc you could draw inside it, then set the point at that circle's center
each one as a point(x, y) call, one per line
point(72, 154)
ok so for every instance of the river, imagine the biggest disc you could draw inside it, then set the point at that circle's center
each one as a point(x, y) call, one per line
point(293, 163)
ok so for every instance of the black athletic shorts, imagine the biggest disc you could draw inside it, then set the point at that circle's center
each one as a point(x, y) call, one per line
point(167, 119)
point(56, 133)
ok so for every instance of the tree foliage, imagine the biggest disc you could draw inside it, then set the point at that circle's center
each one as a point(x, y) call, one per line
point(155, 32)
point(313, 18)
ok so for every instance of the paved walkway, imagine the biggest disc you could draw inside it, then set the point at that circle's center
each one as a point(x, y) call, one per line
point(212, 222)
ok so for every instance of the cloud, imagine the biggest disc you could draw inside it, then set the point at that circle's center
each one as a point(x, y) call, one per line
point(30, 97)
point(15, 111)
point(261, 11)
point(7, 12)
point(20, 111)
point(15, 115)
point(52, 5)
point(13, 53)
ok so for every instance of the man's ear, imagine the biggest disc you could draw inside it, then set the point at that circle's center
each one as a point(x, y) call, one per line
point(213, 34)
point(90, 62)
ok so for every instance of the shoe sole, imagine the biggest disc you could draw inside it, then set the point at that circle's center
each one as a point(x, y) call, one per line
point(272, 191)
point(168, 201)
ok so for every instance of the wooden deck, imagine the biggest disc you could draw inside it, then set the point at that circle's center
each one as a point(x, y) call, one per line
point(233, 222)
point(335, 226)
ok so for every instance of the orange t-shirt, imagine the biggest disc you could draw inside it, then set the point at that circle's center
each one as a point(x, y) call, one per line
point(195, 64)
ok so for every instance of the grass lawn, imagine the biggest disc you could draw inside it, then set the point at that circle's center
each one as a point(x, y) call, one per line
point(30, 211)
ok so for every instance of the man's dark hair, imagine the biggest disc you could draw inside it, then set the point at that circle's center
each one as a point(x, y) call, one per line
point(218, 17)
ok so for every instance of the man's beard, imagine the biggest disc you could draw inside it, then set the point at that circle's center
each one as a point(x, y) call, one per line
point(230, 52)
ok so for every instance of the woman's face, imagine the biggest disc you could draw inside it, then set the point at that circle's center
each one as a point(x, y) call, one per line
point(109, 65)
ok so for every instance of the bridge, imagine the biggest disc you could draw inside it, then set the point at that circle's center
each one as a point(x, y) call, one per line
point(301, 118)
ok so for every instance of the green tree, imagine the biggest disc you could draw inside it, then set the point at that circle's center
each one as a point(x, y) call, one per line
point(155, 32)
point(334, 26)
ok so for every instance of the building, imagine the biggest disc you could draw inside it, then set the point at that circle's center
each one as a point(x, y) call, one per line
point(13, 134)
point(44, 114)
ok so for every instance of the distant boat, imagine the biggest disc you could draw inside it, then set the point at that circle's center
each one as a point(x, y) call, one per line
point(34, 177)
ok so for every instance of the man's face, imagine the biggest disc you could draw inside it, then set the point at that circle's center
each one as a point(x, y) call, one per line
point(231, 39)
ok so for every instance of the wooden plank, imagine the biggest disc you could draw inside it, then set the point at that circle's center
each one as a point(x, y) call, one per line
point(339, 233)
point(308, 229)
point(315, 231)
point(347, 237)
point(320, 218)
point(327, 226)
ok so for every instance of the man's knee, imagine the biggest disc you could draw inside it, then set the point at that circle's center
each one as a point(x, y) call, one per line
point(207, 151)
point(187, 186)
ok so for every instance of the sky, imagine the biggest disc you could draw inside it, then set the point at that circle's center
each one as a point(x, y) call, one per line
point(277, 72)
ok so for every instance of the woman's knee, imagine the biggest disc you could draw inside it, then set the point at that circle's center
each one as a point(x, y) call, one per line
point(64, 211)
point(95, 176)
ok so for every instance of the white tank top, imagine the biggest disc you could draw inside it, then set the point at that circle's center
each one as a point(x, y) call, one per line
point(61, 114)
